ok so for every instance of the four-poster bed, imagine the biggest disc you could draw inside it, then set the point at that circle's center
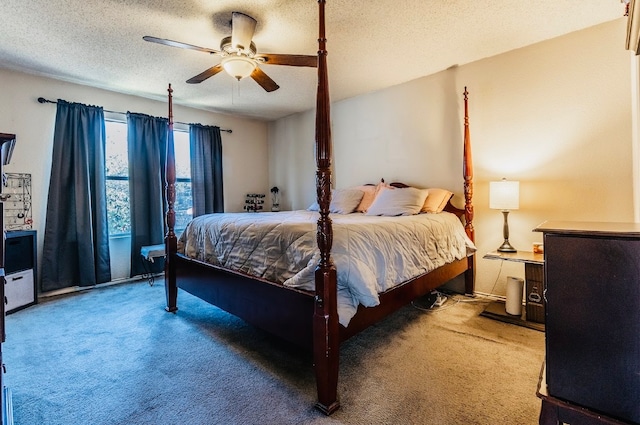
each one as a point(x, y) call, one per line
point(307, 318)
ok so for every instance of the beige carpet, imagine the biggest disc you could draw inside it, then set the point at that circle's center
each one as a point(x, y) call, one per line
point(446, 366)
point(113, 356)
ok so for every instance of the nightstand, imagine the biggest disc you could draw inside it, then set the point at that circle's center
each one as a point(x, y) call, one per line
point(533, 313)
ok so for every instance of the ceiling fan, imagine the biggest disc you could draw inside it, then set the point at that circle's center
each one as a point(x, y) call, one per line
point(239, 55)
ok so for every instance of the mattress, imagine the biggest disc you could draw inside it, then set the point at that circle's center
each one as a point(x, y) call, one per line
point(372, 254)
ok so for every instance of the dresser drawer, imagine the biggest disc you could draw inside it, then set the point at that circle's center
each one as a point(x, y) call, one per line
point(19, 290)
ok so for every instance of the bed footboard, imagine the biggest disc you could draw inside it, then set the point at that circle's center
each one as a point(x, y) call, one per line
point(282, 311)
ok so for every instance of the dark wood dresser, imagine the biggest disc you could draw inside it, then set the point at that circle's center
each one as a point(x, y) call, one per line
point(592, 279)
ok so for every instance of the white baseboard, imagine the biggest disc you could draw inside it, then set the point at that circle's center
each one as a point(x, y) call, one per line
point(72, 289)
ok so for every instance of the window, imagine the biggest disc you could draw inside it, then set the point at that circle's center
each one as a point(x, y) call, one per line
point(117, 178)
point(117, 170)
point(184, 204)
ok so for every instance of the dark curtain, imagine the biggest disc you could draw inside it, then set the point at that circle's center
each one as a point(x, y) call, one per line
point(206, 169)
point(147, 145)
point(76, 237)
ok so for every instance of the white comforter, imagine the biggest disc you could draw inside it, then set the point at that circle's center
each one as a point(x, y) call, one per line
point(371, 254)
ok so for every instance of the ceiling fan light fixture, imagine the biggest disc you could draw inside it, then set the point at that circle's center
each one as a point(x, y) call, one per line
point(238, 66)
point(238, 55)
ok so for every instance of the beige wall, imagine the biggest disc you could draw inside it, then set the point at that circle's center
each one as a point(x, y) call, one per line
point(556, 116)
point(244, 151)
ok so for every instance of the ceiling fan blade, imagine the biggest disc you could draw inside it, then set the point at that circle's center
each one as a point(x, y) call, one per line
point(178, 44)
point(264, 80)
point(204, 75)
point(242, 29)
point(290, 60)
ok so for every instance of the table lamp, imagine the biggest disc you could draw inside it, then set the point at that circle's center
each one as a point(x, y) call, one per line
point(504, 195)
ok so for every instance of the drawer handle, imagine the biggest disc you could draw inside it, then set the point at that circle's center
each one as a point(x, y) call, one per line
point(17, 278)
point(535, 297)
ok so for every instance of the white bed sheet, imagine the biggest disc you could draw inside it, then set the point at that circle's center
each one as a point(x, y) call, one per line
point(371, 254)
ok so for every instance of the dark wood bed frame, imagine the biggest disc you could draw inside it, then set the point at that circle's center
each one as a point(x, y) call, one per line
point(305, 318)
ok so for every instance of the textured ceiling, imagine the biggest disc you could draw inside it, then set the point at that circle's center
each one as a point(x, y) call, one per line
point(372, 44)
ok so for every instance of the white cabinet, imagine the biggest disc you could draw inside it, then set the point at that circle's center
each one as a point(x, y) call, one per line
point(19, 290)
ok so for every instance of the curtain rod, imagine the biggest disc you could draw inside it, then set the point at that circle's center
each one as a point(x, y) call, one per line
point(43, 100)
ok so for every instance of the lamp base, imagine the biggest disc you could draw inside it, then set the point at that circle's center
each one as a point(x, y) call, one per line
point(506, 247)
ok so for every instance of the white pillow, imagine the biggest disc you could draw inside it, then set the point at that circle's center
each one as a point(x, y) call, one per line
point(343, 201)
point(392, 202)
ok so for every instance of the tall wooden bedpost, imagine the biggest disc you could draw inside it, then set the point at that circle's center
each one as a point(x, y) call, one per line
point(326, 332)
point(170, 240)
point(470, 274)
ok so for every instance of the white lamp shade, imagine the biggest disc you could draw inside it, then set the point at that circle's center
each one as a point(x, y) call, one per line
point(504, 195)
point(238, 66)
